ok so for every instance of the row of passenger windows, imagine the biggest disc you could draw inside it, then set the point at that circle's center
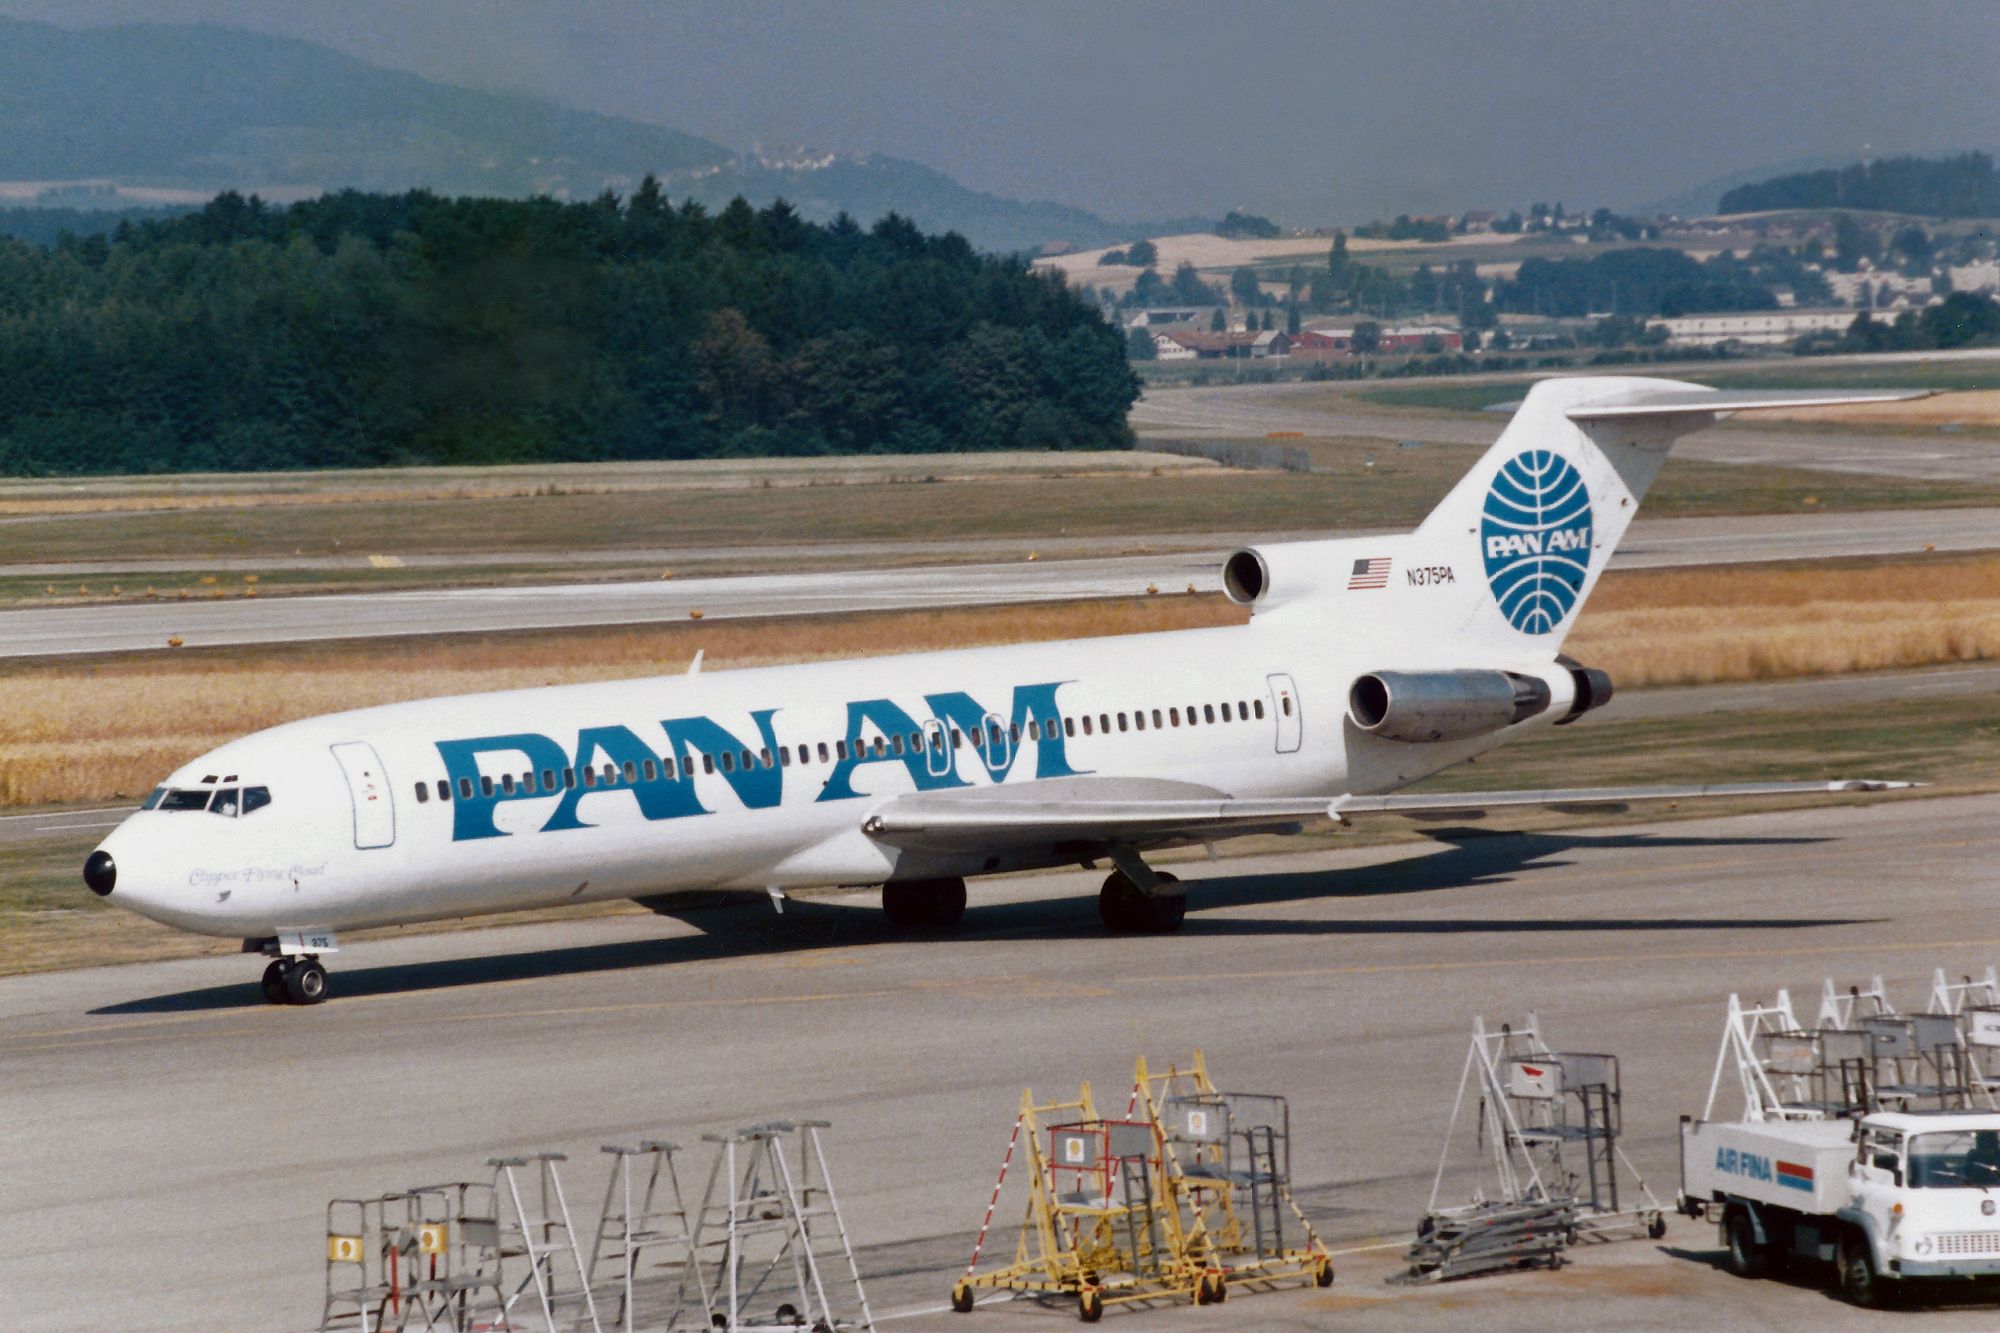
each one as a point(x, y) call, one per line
point(992, 737)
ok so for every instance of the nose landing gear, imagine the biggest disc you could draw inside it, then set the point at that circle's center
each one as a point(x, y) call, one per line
point(299, 980)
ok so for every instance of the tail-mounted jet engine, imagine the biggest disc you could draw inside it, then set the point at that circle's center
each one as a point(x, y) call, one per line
point(1591, 688)
point(1443, 705)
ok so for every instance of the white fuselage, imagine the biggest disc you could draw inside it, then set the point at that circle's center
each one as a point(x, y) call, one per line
point(345, 841)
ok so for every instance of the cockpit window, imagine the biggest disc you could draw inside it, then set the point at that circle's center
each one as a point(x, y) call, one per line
point(228, 802)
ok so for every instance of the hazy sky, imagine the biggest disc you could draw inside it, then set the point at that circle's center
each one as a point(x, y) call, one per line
point(1308, 111)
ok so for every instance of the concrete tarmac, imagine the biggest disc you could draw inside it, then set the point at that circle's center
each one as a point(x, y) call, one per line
point(1654, 543)
point(172, 1140)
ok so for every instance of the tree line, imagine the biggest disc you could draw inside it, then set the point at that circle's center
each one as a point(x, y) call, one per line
point(1965, 186)
point(368, 329)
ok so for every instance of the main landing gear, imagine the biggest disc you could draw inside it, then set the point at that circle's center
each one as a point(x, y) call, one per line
point(924, 904)
point(1129, 910)
point(299, 980)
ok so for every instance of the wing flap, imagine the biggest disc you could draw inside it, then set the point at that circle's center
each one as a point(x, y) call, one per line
point(1472, 802)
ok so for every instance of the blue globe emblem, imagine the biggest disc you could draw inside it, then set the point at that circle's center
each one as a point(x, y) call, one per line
point(1535, 536)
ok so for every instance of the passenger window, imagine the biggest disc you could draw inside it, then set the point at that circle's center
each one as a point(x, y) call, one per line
point(610, 774)
point(708, 763)
point(444, 791)
point(651, 772)
point(528, 783)
point(1104, 723)
point(225, 802)
point(896, 744)
point(1034, 730)
point(1174, 716)
point(423, 793)
point(1225, 713)
point(1121, 722)
point(879, 746)
point(465, 789)
point(1014, 734)
point(840, 748)
point(1285, 702)
point(589, 776)
point(569, 779)
point(1242, 711)
point(1069, 726)
point(548, 779)
point(1139, 720)
point(992, 735)
point(485, 785)
point(764, 756)
point(1258, 704)
point(916, 742)
point(631, 771)
point(957, 739)
point(822, 753)
point(1208, 712)
point(256, 798)
point(1157, 724)
point(729, 761)
point(1086, 724)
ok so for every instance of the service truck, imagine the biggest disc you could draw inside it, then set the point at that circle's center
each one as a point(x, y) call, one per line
point(1890, 1198)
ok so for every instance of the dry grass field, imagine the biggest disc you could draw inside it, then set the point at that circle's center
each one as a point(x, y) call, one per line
point(107, 729)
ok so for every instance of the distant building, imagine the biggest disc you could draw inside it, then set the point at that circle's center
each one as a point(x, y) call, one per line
point(1981, 277)
point(1762, 329)
point(1478, 222)
point(1191, 344)
point(1165, 315)
point(1886, 287)
point(1396, 340)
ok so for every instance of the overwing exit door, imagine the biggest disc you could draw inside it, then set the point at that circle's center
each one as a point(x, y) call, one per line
point(1285, 708)
point(368, 788)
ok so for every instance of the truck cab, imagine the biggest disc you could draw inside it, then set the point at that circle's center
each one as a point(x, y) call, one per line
point(1925, 1194)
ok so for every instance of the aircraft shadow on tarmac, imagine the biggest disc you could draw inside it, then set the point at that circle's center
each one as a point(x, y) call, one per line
point(1469, 859)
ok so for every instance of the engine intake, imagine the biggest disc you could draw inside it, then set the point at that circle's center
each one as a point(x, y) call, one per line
point(1245, 577)
point(1421, 706)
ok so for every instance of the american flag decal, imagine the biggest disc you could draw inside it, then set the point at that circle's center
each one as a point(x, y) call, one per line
point(1369, 574)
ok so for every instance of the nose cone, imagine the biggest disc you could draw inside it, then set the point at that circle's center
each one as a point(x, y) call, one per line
point(100, 872)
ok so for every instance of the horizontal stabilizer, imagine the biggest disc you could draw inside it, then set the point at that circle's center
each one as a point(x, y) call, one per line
point(1697, 401)
point(1476, 801)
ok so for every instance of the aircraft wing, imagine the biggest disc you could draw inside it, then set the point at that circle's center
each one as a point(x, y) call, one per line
point(1095, 813)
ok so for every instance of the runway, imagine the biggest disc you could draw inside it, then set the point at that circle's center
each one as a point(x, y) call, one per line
point(139, 626)
point(1237, 411)
point(173, 1141)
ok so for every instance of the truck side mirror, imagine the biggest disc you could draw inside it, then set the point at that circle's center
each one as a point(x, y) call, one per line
point(1887, 1161)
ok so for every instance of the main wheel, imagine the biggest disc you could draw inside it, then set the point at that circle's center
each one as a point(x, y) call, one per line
point(1127, 911)
point(1090, 1305)
point(1858, 1279)
point(1746, 1257)
point(961, 1298)
point(274, 983)
point(305, 982)
point(1323, 1275)
point(924, 904)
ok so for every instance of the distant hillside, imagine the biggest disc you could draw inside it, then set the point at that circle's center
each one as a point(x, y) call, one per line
point(210, 109)
point(1953, 187)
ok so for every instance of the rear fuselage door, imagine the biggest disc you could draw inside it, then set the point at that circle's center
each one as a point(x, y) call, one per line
point(368, 788)
point(1285, 708)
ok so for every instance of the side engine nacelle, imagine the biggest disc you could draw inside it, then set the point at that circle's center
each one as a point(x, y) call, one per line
point(1263, 577)
point(1443, 705)
point(1424, 706)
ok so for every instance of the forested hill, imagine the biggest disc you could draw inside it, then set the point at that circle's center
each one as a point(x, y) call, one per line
point(1953, 187)
point(364, 329)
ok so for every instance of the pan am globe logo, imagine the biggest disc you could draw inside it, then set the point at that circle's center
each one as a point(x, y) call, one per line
point(1535, 535)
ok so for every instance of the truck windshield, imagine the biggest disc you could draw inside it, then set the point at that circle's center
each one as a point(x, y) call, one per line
point(1955, 1159)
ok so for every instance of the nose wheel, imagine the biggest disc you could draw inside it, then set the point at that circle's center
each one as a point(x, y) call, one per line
point(295, 981)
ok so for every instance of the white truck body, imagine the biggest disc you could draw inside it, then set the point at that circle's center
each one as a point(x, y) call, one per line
point(1917, 1193)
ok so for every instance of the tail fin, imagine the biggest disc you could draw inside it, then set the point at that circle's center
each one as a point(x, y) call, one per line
point(1500, 568)
point(1536, 519)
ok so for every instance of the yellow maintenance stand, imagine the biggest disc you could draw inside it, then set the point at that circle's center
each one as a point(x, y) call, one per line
point(1227, 1162)
point(1186, 1196)
point(1099, 1223)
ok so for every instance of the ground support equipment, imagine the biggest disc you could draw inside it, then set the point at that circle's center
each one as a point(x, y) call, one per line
point(769, 1236)
point(359, 1293)
point(643, 1215)
point(542, 1233)
point(451, 1249)
point(1227, 1158)
point(1490, 1238)
point(1550, 1123)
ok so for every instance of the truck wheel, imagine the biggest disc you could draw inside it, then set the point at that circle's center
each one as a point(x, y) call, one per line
point(1858, 1280)
point(1747, 1258)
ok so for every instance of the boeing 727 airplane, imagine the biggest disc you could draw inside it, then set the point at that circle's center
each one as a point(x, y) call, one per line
point(1367, 664)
